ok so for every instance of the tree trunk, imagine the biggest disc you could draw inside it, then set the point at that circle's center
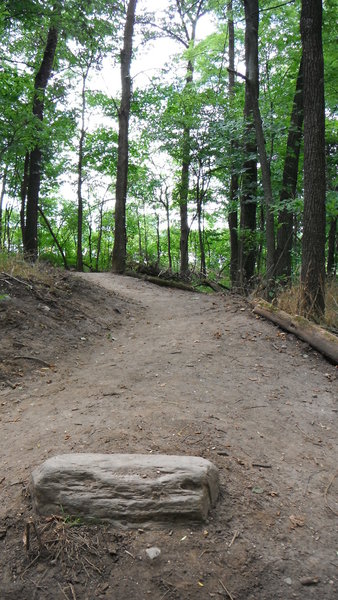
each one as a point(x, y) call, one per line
point(120, 235)
point(318, 338)
point(167, 209)
point(158, 241)
point(99, 239)
point(203, 267)
point(23, 196)
point(332, 247)
point(233, 191)
point(289, 184)
point(313, 243)
point(2, 196)
point(247, 247)
point(35, 158)
point(79, 251)
point(267, 188)
point(49, 227)
point(184, 186)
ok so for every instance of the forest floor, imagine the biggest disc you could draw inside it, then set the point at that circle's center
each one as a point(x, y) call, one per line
point(104, 363)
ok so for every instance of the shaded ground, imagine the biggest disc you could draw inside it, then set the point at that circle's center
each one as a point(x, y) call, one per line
point(145, 369)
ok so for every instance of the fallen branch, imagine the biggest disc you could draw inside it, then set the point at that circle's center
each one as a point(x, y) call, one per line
point(179, 285)
point(18, 280)
point(38, 360)
point(320, 339)
point(216, 287)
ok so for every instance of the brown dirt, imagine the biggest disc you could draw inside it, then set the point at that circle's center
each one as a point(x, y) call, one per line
point(138, 368)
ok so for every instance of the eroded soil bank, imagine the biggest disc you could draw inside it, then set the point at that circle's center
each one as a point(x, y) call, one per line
point(138, 368)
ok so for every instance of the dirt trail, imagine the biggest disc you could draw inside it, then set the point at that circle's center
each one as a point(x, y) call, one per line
point(186, 374)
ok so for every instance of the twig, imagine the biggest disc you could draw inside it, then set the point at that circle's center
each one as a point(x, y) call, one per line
point(234, 537)
point(30, 565)
point(261, 466)
point(258, 406)
point(93, 566)
point(309, 437)
point(197, 441)
point(18, 280)
point(73, 591)
point(63, 592)
point(225, 589)
point(130, 554)
point(38, 360)
point(326, 493)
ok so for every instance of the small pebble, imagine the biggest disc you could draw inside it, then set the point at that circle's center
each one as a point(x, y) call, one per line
point(153, 552)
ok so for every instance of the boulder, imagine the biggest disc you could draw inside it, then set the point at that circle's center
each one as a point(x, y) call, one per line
point(126, 489)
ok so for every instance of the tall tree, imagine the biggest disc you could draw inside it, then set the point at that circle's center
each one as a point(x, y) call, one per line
point(233, 191)
point(120, 235)
point(35, 157)
point(289, 185)
point(184, 31)
point(313, 242)
point(247, 253)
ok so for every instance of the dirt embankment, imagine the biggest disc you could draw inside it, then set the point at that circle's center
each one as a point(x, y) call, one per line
point(104, 363)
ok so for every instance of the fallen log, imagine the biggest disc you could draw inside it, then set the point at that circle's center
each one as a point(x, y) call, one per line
point(216, 287)
point(178, 285)
point(320, 339)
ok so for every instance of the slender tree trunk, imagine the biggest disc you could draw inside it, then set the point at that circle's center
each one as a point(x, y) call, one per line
point(23, 196)
point(120, 237)
point(203, 269)
point(35, 158)
point(267, 187)
point(50, 229)
point(289, 185)
point(167, 210)
point(2, 196)
point(145, 236)
point(99, 239)
point(233, 191)
point(184, 185)
point(248, 244)
point(313, 242)
point(158, 243)
point(79, 251)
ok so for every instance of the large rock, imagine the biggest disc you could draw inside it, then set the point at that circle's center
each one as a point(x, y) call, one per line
point(126, 489)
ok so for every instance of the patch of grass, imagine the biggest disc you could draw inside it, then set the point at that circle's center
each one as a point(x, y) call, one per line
point(16, 266)
point(289, 300)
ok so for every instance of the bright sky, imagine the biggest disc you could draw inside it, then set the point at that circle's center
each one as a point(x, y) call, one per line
point(151, 58)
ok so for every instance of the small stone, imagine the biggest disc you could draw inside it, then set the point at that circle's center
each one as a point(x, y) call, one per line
point(309, 580)
point(153, 552)
point(288, 580)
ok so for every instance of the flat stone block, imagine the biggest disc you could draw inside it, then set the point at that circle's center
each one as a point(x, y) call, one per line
point(126, 489)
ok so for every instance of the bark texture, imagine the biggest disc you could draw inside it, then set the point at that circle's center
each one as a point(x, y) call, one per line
point(233, 190)
point(320, 339)
point(289, 184)
point(313, 243)
point(35, 158)
point(249, 180)
point(120, 234)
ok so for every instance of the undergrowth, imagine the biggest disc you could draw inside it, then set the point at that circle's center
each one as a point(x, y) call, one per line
point(289, 300)
point(16, 266)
